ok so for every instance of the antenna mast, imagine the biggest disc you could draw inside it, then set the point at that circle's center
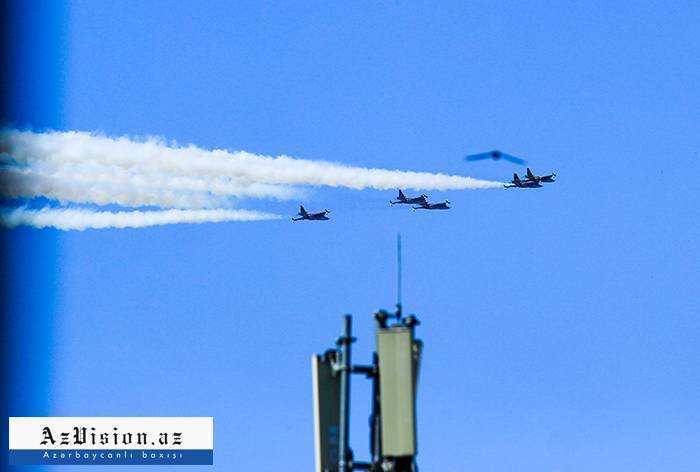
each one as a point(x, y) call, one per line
point(394, 375)
point(398, 260)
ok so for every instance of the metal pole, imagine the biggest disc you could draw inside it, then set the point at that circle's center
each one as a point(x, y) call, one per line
point(344, 439)
point(399, 270)
point(376, 433)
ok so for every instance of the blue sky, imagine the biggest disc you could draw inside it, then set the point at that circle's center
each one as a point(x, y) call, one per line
point(560, 325)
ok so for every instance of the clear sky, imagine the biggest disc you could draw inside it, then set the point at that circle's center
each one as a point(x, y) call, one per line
point(560, 324)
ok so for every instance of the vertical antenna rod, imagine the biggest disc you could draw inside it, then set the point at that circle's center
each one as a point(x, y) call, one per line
point(398, 260)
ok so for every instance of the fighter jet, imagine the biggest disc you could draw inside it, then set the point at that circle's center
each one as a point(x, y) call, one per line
point(433, 206)
point(540, 178)
point(531, 180)
point(496, 155)
point(516, 182)
point(304, 215)
point(409, 200)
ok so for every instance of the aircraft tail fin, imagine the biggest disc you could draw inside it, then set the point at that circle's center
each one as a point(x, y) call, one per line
point(302, 212)
point(529, 174)
point(516, 179)
point(401, 195)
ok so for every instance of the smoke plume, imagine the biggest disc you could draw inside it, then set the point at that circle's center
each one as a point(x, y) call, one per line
point(78, 168)
point(81, 219)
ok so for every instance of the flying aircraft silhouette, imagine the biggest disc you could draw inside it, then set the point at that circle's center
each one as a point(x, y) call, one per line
point(530, 180)
point(304, 215)
point(433, 206)
point(543, 178)
point(516, 182)
point(403, 199)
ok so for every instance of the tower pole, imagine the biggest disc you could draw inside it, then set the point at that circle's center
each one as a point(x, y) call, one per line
point(344, 436)
point(399, 270)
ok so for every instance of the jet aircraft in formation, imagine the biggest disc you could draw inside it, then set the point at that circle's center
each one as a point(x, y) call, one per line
point(403, 199)
point(421, 201)
point(540, 178)
point(304, 215)
point(530, 180)
point(433, 206)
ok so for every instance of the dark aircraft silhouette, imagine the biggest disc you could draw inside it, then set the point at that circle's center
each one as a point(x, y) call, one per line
point(531, 180)
point(516, 182)
point(433, 206)
point(540, 178)
point(496, 155)
point(408, 200)
point(304, 215)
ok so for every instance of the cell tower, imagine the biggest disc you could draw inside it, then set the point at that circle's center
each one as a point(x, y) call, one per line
point(394, 376)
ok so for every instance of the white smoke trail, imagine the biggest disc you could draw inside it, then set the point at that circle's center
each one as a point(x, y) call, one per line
point(155, 157)
point(88, 182)
point(188, 184)
point(81, 219)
